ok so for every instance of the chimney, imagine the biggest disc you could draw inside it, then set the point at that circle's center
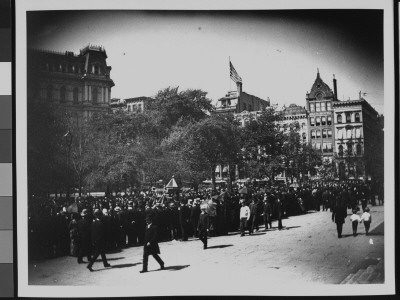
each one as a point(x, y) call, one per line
point(334, 86)
point(239, 88)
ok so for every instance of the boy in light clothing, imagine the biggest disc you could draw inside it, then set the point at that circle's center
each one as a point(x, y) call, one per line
point(366, 218)
point(354, 221)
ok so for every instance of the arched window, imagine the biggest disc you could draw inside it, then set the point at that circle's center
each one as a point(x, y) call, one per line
point(358, 149)
point(340, 150)
point(49, 93)
point(357, 117)
point(349, 149)
point(348, 118)
point(75, 93)
point(63, 93)
point(94, 94)
point(339, 118)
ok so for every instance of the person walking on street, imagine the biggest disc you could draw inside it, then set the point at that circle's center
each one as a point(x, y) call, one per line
point(339, 214)
point(151, 245)
point(355, 219)
point(267, 213)
point(367, 219)
point(280, 211)
point(202, 227)
point(84, 245)
point(244, 217)
point(98, 240)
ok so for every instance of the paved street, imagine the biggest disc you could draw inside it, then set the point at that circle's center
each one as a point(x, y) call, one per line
point(306, 251)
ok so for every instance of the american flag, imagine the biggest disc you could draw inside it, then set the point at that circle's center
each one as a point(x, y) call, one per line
point(234, 75)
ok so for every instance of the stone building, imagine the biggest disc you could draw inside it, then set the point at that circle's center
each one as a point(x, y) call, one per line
point(319, 104)
point(79, 83)
point(295, 114)
point(359, 139)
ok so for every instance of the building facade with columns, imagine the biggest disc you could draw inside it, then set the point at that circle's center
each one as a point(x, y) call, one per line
point(134, 105)
point(79, 83)
point(359, 140)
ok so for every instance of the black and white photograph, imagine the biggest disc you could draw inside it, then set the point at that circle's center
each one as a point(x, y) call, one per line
point(211, 148)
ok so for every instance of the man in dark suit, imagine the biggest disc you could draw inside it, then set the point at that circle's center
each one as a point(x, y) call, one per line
point(84, 245)
point(194, 216)
point(267, 213)
point(184, 217)
point(339, 213)
point(151, 244)
point(280, 211)
point(98, 244)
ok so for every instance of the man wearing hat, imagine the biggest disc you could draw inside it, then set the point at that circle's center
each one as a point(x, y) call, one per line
point(151, 244)
point(97, 240)
point(83, 241)
point(194, 215)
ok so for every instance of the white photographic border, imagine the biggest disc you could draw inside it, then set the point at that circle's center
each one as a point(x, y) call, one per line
point(22, 6)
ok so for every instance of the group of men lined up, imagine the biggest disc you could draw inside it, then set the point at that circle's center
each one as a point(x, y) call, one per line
point(53, 231)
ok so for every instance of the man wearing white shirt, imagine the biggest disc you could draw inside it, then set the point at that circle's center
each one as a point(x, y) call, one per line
point(366, 218)
point(244, 217)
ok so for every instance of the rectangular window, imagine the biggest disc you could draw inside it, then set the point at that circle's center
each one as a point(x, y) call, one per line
point(329, 133)
point(318, 135)
point(323, 106)
point(340, 133)
point(312, 121)
point(324, 133)
point(329, 147)
point(348, 135)
point(318, 146)
point(329, 120)
point(358, 132)
point(318, 121)
point(318, 106)
point(312, 107)
point(323, 120)
point(313, 134)
point(328, 106)
point(324, 147)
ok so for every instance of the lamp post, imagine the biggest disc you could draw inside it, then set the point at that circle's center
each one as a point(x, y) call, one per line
point(68, 138)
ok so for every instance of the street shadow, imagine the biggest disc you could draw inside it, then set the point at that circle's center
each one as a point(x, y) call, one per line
point(219, 246)
point(233, 233)
point(111, 258)
point(258, 233)
point(375, 233)
point(289, 227)
point(348, 235)
point(125, 265)
point(174, 268)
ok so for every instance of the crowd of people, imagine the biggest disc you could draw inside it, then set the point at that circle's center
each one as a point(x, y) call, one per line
point(60, 226)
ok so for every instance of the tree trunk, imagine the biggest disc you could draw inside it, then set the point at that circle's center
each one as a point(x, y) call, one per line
point(213, 176)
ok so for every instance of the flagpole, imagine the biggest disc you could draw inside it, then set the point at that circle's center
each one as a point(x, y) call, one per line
point(229, 78)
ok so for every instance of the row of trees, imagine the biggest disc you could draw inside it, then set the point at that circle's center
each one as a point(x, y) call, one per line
point(178, 133)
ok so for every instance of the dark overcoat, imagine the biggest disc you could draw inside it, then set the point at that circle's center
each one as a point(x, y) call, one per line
point(151, 237)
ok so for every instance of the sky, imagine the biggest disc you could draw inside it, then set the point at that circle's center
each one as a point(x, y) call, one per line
point(276, 52)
